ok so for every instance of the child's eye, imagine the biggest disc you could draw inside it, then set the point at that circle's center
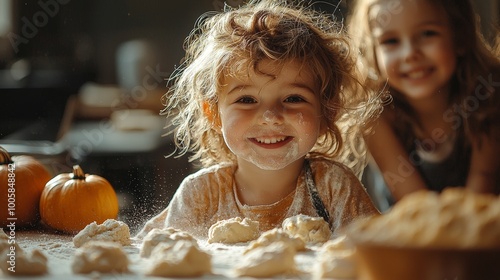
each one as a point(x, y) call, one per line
point(389, 41)
point(294, 99)
point(429, 33)
point(246, 99)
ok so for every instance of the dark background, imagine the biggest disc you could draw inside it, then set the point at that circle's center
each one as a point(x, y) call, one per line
point(82, 36)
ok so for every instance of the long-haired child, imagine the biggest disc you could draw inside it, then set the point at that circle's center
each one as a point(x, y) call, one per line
point(442, 128)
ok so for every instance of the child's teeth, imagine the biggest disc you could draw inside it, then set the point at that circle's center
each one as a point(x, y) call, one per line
point(416, 74)
point(270, 140)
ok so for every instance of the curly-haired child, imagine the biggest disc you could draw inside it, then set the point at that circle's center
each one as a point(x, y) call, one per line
point(258, 102)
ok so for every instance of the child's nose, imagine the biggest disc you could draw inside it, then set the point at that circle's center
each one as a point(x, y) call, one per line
point(410, 50)
point(272, 117)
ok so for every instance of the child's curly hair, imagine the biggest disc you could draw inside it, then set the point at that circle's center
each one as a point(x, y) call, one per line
point(228, 42)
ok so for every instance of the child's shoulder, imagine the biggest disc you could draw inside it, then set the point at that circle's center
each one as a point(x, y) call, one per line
point(212, 172)
point(328, 166)
point(330, 176)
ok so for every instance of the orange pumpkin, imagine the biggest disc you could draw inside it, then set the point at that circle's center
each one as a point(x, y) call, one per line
point(22, 179)
point(71, 201)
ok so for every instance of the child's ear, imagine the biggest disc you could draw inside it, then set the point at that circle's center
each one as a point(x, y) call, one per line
point(212, 115)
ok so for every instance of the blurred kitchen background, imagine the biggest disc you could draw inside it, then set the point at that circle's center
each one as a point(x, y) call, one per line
point(81, 82)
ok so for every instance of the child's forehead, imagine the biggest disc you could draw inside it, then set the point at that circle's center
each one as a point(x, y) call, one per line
point(382, 10)
point(271, 68)
point(406, 12)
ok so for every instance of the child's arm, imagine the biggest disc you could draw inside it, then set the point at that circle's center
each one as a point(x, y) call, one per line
point(184, 212)
point(184, 203)
point(484, 167)
point(393, 161)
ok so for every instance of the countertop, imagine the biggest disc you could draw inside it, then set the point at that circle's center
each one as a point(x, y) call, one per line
point(59, 250)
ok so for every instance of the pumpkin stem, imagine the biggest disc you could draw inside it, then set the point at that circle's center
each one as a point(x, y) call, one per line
point(78, 173)
point(4, 156)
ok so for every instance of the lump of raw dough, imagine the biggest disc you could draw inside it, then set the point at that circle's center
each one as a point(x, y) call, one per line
point(4, 241)
point(277, 235)
point(4, 246)
point(3, 236)
point(275, 259)
point(454, 218)
point(234, 230)
point(110, 230)
point(311, 229)
point(336, 259)
point(14, 261)
point(180, 259)
point(166, 235)
point(31, 264)
point(100, 256)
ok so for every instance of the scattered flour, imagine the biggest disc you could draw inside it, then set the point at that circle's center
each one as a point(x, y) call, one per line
point(199, 259)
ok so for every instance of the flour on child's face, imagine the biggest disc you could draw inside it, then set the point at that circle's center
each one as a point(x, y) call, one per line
point(270, 121)
point(268, 115)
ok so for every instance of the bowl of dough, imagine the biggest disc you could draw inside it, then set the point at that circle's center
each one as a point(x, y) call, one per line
point(426, 235)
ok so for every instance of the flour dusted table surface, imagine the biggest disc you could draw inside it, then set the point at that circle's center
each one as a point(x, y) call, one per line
point(59, 250)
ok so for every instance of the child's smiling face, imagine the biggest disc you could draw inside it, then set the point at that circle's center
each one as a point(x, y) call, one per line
point(271, 119)
point(414, 46)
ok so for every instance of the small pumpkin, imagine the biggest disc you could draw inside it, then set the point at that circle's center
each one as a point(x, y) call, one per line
point(22, 179)
point(71, 201)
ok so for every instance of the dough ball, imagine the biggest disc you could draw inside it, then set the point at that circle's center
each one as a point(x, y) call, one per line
point(336, 259)
point(234, 230)
point(339, 243)
point(5, 247)
point(180, 259)
point(311, 229)
point(3, 236)
point(335, 264)
point(275, 259)
point(455, 218)
point(100, 256)
point(31, 264)
point(166, 235)
point(110, 230)
point(277, 235)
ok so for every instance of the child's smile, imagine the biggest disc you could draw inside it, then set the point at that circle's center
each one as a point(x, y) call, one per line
point(418, 73)
point(270, 118)
point(272, 142)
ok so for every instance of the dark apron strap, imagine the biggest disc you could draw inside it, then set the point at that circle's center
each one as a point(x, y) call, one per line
point(318, 204)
